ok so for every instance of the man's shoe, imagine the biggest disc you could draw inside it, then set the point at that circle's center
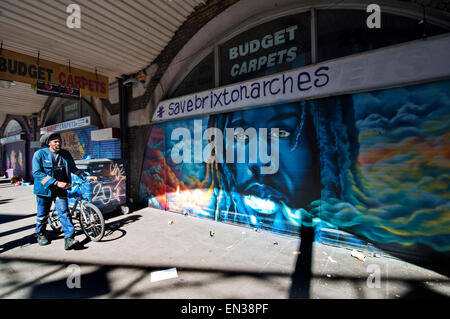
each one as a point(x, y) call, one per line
point(42, 241)
point(69, 243)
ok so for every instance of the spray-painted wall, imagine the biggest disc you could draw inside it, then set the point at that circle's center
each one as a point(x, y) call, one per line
point(109, 192)
point(375, 164)
point(17, 156)
point(15, 160)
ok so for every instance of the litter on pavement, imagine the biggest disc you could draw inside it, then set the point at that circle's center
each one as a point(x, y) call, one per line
point(358, 255)
point(163, 274)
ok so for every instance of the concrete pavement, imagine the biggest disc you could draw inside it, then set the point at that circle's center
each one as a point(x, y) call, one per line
point(236, 262)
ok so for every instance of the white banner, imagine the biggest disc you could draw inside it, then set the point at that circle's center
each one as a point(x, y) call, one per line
point(69, 125)
point(416, 61)
point(11, 139)
point(106, 134)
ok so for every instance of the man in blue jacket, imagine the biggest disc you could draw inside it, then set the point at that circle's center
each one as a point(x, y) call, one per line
point(52, 168)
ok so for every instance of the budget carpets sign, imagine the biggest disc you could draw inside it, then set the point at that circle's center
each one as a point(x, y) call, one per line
point(274, 45)
point(27, 69)
point(69, 125)
point(399, 65)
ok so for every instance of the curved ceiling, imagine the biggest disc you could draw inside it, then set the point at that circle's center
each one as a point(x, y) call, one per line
point(115, 37)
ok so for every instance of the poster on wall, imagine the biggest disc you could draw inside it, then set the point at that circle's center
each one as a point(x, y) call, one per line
point(79, 143)
point(374, 164)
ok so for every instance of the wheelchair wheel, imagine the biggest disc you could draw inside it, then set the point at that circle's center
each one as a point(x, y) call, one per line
point(92, 222)
point(53, 220)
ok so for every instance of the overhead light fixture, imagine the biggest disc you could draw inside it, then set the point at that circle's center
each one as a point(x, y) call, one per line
point(7, 84)
point(142, 77)
point(131, 81)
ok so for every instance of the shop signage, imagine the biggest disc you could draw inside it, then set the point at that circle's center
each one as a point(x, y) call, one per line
point(28, 69)
point(69, 93)
point(270, 41)
point(11, 139)
point(71, 111)
point(46, 88)
point(66, 92)
point(69, 125)
point(277, 45)
point(416, 61)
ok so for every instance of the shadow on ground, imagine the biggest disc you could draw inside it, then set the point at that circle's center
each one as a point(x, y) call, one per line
point(97, 284)
point(6, 218)
point(113, 231)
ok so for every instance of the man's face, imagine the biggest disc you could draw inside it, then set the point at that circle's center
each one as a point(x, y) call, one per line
point(55, 145)
point(293, 186)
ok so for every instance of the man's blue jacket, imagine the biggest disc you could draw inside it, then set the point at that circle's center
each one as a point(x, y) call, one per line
point(43, 170)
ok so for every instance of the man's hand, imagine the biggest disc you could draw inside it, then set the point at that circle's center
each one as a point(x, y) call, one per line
point(62, 185)
point(92, 179)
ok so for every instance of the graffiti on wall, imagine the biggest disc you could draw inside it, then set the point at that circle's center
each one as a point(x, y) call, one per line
point(109, 191)
point(15, 158)
point(114, 190)
point(375, 164)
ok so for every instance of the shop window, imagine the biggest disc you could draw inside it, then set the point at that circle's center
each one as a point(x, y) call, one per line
point(56, 115)
point(12, 128)
point(272, 47)
point(71, 111)
point(199, 79)
point(87, 110)
point(68, 110)
point(345, 32)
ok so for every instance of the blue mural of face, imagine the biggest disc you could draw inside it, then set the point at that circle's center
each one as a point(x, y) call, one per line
point(373, 146)
point(277, 199)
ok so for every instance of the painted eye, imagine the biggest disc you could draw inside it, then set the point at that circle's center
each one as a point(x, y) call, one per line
point(281, 134)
